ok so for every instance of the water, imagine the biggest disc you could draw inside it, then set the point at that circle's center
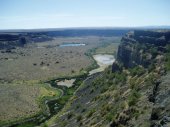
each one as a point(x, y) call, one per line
point(71, 45)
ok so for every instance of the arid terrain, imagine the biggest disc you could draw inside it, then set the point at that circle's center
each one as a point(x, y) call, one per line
point(132, 92)
point(84, 63)
point(45, 60)
point(24, 69)
point(86, 80)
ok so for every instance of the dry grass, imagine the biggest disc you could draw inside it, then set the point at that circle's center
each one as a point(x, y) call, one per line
point(19, 93)
point(109, 48)
point(21, 99)
point(18, 100)
point(32, 63)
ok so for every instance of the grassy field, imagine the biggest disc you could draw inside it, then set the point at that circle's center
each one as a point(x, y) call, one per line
point(23, 99)
point(42, 61)
point(109, 48)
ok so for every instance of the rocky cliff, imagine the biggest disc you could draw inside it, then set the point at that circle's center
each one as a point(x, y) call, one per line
point(148, 49)
point(141, 47)
point(12, 40)
point(133, 92)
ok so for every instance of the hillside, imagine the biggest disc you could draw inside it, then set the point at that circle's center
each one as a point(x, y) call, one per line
point(28, 65)
point(133, 92)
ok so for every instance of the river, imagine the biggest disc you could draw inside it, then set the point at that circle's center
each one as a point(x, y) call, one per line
point(65, 85)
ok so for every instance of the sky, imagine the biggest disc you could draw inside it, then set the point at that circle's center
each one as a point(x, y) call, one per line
point(33, 14)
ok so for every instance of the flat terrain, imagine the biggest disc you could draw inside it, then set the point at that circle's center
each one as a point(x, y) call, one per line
point(109, 49)
point(103, 60)
point(40, 61)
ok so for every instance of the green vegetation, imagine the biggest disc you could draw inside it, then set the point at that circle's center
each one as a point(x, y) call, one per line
point(167, 62)
point(79, 117)
point(109, 117)
point(35, 94)
point(90, 113)
point(113, 97)
point(27, 125)
point(120, 77)
point(70, 114)
point(137, 71)
point(45, 65)
point(154, 51)
point(133, 98)
point(151, 67)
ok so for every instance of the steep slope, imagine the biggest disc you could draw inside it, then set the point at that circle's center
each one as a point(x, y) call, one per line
point(133, 92)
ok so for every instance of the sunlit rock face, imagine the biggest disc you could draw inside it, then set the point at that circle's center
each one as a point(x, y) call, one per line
point(135, 46)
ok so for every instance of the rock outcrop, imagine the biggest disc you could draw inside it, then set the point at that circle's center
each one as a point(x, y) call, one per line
point(134, 47)
point(147, 48)
point(134, 92)
point(10, 41)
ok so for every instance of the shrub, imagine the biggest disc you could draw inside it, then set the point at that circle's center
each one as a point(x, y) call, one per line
point(109, 117)
point(72, 71)
point(70, 114)
point(90, 113)
point(151, 67)
point(104, 89)
point(91, 91)
point(63, 123)
point(154, 51)
point(78, 106)
point(83, 110)
point(137, 71)
point(79, 117)
point(44, 125)
point(133, 98)
point(167, 63)
point(120, 77)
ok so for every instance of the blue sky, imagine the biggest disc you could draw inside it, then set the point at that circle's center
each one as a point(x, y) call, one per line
point(28, 14)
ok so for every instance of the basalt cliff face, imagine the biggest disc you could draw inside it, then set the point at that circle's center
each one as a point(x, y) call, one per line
point(10, 41)
point(141, 47)
point(148, 50)
point(133, 92)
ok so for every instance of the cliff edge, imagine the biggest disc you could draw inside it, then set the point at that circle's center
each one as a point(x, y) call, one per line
point(133, 92)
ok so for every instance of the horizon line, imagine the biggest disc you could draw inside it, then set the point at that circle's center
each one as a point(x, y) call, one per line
point(91, 27)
